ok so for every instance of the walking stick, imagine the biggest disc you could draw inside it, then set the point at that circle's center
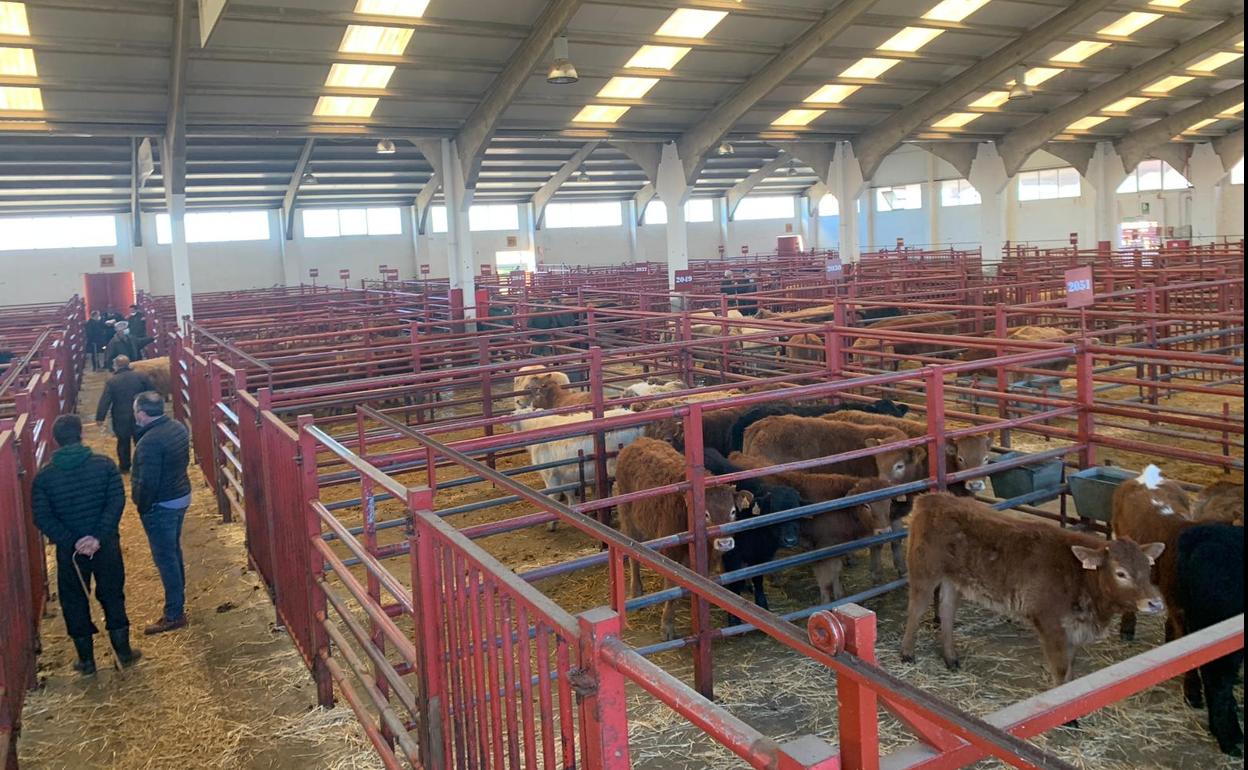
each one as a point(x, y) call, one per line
point(85, 590)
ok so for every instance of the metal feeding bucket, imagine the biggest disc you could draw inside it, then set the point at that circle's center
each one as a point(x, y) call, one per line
point(1093, 490)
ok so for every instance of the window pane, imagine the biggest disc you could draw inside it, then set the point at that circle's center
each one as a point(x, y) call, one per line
point(1047, 187)
point(217, 226)
point(656, 212)
point(1068, 183)
point(899, 198)
point(1028, 186)
point(1237, 172)
point(828, 206)
point(437, 219)
point(1130, 184)
point(353, 221)
point(57, 232)
point(500, 217)
point(565, 215)
point(774, 207)
point(699, 210)
point(1149, 173)
point(1171, 179)
point(385, 221)
point(320, 223)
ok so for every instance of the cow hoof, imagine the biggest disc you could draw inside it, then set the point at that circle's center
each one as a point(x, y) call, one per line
point(1196, 701)
point(1126, 636)
point(1074, 724)
point(907, 658)
point(551, 526)
point(669, 634)
point(953, 665)
point(1233, 751)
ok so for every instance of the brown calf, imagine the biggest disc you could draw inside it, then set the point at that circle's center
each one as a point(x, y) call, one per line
point(648, 463)
point(923, 323)
point(788, 438)
point(833, 527)
point(1067, 585)
point(961, 454)
point(157, 372)
point(1223, 501)
point(548, 393)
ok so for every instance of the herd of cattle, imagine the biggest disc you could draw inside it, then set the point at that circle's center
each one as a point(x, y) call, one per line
point(1167, 553)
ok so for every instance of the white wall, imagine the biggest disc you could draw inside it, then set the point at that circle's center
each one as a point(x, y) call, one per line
point(54, 274)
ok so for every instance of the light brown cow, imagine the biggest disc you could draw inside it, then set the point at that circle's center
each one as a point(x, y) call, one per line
point(962, 454)
point(1067, 585)
point(923, 323)
point(547, 393)
point(1222, 501)
point(157, 372)
point(647, 463)
point(788, 438)
point(1024, 334)
point(530, 375)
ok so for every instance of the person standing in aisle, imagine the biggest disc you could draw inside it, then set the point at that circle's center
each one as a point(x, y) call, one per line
point(77, 501)
point(118, 400)
point(98, 334)
point(161, 491)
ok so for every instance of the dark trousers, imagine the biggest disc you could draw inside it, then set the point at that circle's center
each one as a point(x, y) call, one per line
point(97, 354)
point(164, 535)
point(109, 572)
point(125, 443)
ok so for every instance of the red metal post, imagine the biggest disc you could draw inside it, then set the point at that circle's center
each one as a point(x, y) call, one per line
point(602, 696)
point(695, 472)
point(315, 598)
point(857, 704)
point(936, 461)
point(1086, 397)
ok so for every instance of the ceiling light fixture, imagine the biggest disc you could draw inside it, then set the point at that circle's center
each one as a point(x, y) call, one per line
point(386, 147)
point(725, 149)
point(1020, 90)
point(792, 170)
point(309, 178)
point(583, 176)
point(561, 72)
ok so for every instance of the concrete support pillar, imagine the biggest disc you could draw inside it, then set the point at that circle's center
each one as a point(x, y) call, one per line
point(630, 229)
point(932, 193)
point(808, 221)
point(1206, 173)
point(528, 227)
point(292, 265)
point(989, 178)
point(847, 183)
point(461, 265)
point(721, 216)
point(421, 248)
point(1105, 173)
point(180, 255)
point(673, 190)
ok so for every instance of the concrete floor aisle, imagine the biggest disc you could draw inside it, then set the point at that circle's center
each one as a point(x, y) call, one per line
point(228, 691)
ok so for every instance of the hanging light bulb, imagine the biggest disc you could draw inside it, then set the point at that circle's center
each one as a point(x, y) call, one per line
point(561, 72)
point(309, 178)
point(1020, 89)
point(792, 171)
point(583, 176)
point(385, 147)
point(725, 148)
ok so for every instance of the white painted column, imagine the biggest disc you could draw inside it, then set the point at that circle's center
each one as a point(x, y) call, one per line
point(528, 231)
point(933, 203)
point(461, 266)
point(1206, 173)
point(420, 244)
point(988, 177)
point(845, 174)
point(292, 264)
point(630, 230)
point(673, 190)
point(1105, 174)
point(721, 216)
point(180, 256)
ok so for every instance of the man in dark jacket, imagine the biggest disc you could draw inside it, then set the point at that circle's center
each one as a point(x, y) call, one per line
point(98, 333)
point(162, 492)
point(78, 499)
point(137, 321)
point(125, 344)
point(118, 400)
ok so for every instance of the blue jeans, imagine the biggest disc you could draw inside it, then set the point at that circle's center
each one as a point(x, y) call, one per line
point(164, 534)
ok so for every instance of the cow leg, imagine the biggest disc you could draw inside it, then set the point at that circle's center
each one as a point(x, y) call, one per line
point(920, 598)
point(899, 554)
point(1219, 680)
point(828, 576)
point(948, 609)
point(668, 626)
point(637, 587)
point(760, 593)
point(1058, 653)
point(877, 563)
point(1191, 679)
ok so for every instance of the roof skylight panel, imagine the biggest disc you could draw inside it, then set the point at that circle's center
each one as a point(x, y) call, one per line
point(1213, 62)
point(954, 10)
point(359, 75)
point(1080, 51)
point(957, 120)
point(869, 68)
point(627, 87)
point(1130, 23)
point(13, 19)
point(657, 57)
point(599, 113)
point(690, 22)
point(797, 117)
point(345, 106)
point(410, 9)
point(1168, 84)
point(1197, 126)
point(910, 39)
point(1126, 104)
point(363, 38)
point(832, 93)
point(991, 100)
point(1083, 124)
point(20, 99)
point(17, 62)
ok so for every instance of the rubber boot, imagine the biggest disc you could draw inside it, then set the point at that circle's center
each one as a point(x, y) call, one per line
point(85, 645)
point(120, 637)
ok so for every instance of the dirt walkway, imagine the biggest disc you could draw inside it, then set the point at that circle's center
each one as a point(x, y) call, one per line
point(226, 692)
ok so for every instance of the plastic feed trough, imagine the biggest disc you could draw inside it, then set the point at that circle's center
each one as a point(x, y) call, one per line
point(1025, 479)
point(1093, 490)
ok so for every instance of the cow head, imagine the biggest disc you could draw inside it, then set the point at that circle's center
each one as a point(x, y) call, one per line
point(1124, 574)
point(898, 466)
point(543, 392)
point(876, 515)
point(722, 504)
point(970, 452)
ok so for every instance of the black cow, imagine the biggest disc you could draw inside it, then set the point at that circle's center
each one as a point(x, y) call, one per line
point(1210, 590)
